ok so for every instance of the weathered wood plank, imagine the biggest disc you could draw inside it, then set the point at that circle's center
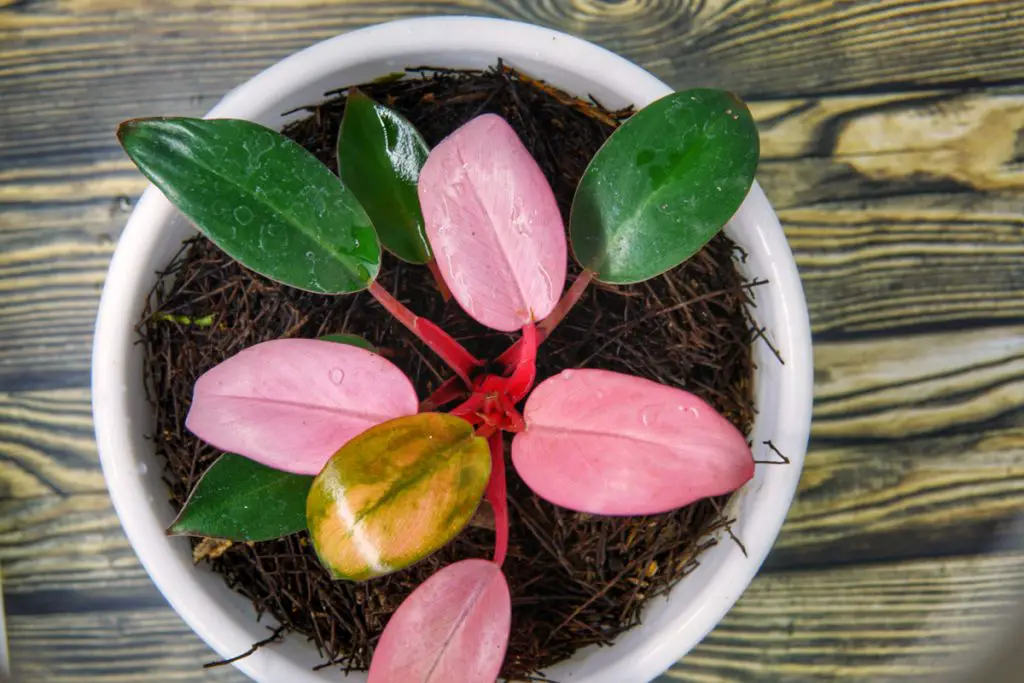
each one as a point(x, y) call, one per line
point(899, 621)
point(759, 48)
point(111, 647)
point(894, 621)
point(46, 438)
point(898, 387)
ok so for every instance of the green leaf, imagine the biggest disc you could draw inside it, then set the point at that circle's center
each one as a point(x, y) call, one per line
point(663, 185)
point(238, 499)
point(380, 155)
point(205, 321)
point(262, 198)
point(396, 493)
point(351, 340)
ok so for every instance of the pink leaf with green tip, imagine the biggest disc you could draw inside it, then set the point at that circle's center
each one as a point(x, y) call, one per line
point(291, 403)
point(454, 627)
point(613, 444)
point(494, 225)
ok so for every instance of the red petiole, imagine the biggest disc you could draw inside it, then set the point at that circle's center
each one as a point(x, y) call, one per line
point(440, 342)
point(496, 496)
point(442, 286)
point(492, 399)
point(548, 325)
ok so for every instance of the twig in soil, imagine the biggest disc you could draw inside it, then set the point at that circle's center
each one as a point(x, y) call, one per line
point(762, 334)
point(783, 460)
point(273, 637)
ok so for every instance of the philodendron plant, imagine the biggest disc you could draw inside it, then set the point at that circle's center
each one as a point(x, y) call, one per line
point(327, 435)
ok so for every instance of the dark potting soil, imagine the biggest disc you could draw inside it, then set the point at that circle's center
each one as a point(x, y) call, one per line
point(576, 579)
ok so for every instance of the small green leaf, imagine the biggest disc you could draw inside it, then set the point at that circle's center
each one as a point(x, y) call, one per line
point(351, 340)
point(205, 321)
point(262, 198)
point(663, 185)
point(389, 78)
point(380, 155)
point(396, 493)
point(241, 500)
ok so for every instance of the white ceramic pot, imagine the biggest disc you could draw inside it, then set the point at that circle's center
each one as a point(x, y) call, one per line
point(671, 626)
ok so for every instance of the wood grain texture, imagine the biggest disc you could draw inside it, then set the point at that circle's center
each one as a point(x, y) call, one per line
point(117, 646)
point(896, 622)
point(893, 139)
point(903, 621)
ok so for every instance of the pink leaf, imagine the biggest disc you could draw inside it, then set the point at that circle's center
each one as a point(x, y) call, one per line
point(613, 444)
point(454, 627)
point(291, 403)
point(494, 225)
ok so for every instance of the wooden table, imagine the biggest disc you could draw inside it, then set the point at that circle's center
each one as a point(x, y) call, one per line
point(893, 150)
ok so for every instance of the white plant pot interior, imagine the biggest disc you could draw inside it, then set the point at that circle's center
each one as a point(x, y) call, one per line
point(225, 619)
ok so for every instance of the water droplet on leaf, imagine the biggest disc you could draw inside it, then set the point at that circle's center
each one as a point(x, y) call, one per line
point(337, 375)
point(567, 374)
point(243, 215)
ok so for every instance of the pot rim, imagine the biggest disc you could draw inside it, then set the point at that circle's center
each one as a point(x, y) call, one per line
point(111, 395)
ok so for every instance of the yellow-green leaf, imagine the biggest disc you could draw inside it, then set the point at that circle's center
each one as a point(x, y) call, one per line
point(396, 493)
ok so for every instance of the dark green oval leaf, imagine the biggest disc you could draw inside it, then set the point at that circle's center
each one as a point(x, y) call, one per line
point(351, 340)
point(380, 155)
point(262, 198)
point(241, 500)
point(663, 185)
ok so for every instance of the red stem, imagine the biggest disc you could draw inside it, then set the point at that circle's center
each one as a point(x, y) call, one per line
point(565, 304)
point(495, 494)
point(469, 408)
point(440, 342)
point(450, 390)
point(522, 378)
point(524, 369)
point(558, 313)
point(442, 286)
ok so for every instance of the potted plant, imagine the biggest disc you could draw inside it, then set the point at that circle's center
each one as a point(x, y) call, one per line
point(342, 413)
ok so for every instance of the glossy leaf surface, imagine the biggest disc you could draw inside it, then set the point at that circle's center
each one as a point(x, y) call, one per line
point(291, 404)
point(494, 225)
point(351, 340)
point(614, 444)
point(453, 627)
point(263, 199)
point(663, 185)
point(238, 499)
point(396, 493)
point(380, 155)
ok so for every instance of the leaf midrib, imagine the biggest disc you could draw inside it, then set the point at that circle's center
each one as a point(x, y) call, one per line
point(519, 289)
point(470, 604)
point(308, 406)
point(642, 207)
